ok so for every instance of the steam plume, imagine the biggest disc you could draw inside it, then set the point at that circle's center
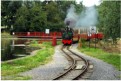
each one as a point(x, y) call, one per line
point(88, 17)
point(72, 17)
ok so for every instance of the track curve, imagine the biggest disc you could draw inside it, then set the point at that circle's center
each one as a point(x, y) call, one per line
point(74, 72)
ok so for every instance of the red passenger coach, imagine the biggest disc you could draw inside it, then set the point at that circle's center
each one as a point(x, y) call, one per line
point(91, 36)
point(100, 35)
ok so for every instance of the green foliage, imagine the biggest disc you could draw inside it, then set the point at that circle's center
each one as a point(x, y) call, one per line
point(6, 35)
point(21, 22)
point(8, 12)
point(33, 42)
point(42, 56)
point(35, 15)
point(109, 19)
point(111, 58)
point(37, 18)
point(83, 41)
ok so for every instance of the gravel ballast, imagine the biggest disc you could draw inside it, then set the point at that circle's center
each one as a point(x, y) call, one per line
point(50, 70)
point(102, 70)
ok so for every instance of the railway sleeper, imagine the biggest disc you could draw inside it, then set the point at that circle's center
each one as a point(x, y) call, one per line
point(78, 66)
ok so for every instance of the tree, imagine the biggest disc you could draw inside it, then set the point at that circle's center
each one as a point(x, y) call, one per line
point(35, 15)
point(109, 19)
point(38, 18)
point(21, 22)
point(8, 12)
point(53, 15)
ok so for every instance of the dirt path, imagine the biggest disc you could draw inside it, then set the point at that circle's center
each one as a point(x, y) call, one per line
point(50, 70)
point(102, 70)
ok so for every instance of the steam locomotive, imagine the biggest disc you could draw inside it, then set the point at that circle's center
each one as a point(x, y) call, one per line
point(67, 36)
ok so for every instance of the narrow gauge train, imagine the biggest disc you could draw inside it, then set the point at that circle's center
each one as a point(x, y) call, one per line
point(67, 36)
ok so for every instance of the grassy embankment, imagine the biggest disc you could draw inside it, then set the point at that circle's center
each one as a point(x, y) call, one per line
point(43, 56)
point(6, 35)
point(111, 58)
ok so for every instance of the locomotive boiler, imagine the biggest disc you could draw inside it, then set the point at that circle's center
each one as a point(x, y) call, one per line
point(67, 36)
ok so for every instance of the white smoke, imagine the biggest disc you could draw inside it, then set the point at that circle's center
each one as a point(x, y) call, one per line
point(88, 17)
point(71, 17)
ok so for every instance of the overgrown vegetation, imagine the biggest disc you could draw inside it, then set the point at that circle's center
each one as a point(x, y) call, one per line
point(6, 35)
point(111, 58)
point(35, 43)
point(42, 56)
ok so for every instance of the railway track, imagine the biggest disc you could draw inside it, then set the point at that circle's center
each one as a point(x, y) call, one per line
point(78, 68)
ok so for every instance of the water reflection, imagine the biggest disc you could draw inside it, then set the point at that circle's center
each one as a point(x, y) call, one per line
point(6, 52)
point(12, 48)
point(15, 48)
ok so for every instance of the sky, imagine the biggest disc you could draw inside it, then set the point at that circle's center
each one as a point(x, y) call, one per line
point(86, 3)
point(89, 3)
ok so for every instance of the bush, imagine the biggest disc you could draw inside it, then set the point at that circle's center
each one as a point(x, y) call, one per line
point(83, 41)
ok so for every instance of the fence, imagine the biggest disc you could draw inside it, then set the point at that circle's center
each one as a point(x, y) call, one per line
point(37, 34)
point(56, 34)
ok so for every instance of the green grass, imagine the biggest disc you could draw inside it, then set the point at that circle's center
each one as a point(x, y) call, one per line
point(34, 43)
point(16, 77)
point(43, 56)
point(59, 42)
point(111, 58)
point(21, 78)
point(6, 35)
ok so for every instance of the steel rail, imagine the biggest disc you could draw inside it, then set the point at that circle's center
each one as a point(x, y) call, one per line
point(71, 67)
point(86, 64)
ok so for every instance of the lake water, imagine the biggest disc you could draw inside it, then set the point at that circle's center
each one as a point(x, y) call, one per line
point(14, 48)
